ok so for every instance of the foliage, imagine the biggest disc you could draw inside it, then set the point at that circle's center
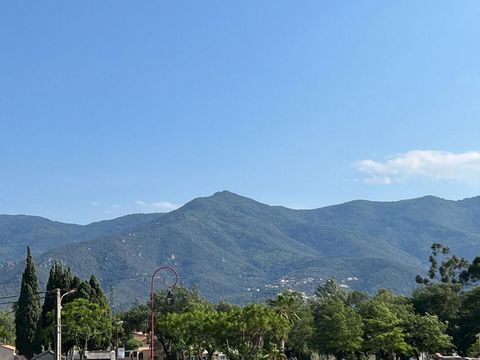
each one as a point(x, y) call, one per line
point(7, 327)
point(28, 311)
point(184, 300)
point(58, 278)
point(135, 319)
point(86, 322)
point(472, 273)
point(331, 290)
point(427, 334)
point(251, 331)
point(195, 329)
point(442, 300)
point(292, 307)
point(338, 328)
point(474, 349)
point(61, 278)
point(384, 318)
point(383, 244)
point(469, 320)
point(451, 270)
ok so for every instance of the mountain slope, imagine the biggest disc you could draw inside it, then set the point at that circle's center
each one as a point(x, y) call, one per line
point(237, 249)
point(19, 231)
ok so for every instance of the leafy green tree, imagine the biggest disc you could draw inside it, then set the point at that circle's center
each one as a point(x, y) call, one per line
point(427, 334)
point(384, 318)
point(338, 328)
point(135, 319)
point(184, 300)
point(442, 300)
point(7, 327)
point(469, 320)
point(86, 321)
point(194, 329)
point(252, 331)
point(292, 307)
point(330, 289)
point(28, 311)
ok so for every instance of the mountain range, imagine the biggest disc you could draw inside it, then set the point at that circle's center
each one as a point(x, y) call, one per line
point(236, 249)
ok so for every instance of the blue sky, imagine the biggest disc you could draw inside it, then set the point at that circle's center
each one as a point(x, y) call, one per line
point(114, 107)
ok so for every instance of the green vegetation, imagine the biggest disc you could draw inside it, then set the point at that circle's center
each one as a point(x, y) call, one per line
point(28, 311)
point(345, 324)
point(7, 327)
point(381, 244)
point(338, 322)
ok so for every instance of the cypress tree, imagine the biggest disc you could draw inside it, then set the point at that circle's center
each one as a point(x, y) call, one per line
point(97, 294)
point(28, 311)
point(58, 278)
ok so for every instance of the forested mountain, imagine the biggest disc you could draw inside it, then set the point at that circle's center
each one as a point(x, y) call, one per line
point(19, 231)
point(237, 249)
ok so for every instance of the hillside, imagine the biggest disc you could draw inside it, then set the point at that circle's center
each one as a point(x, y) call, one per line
point(19, 231)
point(237, 249)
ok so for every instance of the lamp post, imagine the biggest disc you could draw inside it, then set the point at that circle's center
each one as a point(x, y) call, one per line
point(58, 352)
point(152, 299)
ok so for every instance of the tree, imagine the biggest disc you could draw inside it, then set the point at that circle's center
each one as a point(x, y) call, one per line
point(474, 350)
point(195, 329)
point(28, 311)
point(427, 334)
point(468, 320)
point(338, 328)
point(252, 331)
point(452, 269)
point(86, 321)
point(58, 278)
point(292, 307)
point(330, 289)
point(472, 273)
point(96, 293)
point(384, 318)
point(7, 327)
point(442, 300)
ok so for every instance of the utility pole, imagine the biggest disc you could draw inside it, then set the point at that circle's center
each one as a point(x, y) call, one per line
point(58, 348)
point(59, 297)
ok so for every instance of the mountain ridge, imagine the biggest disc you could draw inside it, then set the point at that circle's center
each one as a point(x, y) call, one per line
point(227, 244)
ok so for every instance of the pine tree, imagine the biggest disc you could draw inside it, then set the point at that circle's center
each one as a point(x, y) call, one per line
point(28, 311)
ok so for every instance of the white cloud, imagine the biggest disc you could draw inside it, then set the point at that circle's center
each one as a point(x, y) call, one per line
point(158, 205)
point(427, 164)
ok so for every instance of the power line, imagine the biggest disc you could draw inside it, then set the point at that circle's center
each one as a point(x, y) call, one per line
point(14, 302)
point(17, 296)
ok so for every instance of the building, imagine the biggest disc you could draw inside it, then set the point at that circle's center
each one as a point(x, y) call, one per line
point(46, 355)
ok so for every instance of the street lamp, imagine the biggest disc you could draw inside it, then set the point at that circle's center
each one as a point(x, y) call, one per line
point(152, 299)
point(58, 354)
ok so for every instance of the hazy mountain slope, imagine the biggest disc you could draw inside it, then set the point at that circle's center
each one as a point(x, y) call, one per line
point(19, 231)
point(237, 249)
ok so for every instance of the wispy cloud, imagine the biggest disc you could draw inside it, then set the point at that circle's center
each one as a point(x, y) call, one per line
point(427, 164)
point(158, 205)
